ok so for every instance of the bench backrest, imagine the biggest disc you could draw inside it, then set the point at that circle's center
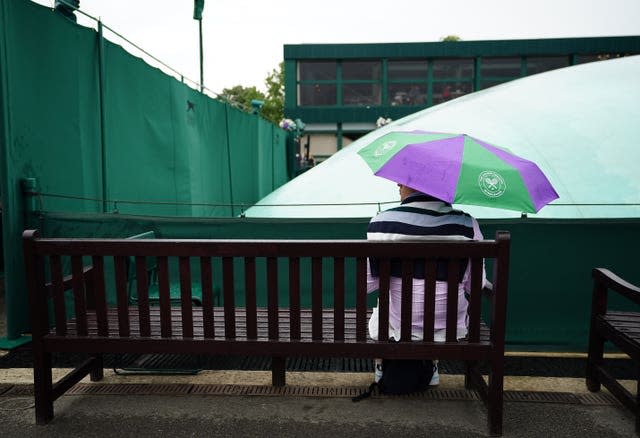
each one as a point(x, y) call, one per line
point(52, 251)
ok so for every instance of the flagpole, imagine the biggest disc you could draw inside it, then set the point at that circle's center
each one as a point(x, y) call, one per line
point(198, 6)
point(201, 69)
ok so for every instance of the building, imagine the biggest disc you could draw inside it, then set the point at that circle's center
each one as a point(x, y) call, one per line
point(340, 91)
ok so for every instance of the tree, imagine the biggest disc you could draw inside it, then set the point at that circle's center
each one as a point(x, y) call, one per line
point(241, 97)
point(451, 38)
point(273, 107)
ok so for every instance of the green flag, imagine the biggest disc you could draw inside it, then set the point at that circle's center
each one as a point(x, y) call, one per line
point(198, 6)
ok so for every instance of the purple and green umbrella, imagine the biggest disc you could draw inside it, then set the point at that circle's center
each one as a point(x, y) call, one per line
point(459, 169)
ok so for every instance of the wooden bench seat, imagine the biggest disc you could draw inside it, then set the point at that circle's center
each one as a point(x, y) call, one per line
point(262, 329)
point(298, 298)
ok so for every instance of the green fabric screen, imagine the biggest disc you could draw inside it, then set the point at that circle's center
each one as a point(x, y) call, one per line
point(102, 131)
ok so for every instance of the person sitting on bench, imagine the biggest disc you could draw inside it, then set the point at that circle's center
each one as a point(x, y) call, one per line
point(420, 217)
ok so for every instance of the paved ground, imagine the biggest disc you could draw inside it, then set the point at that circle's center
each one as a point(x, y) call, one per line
point(137, 413)
point(225, 416)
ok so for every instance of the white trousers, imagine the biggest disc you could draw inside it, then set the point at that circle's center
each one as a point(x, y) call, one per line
point(439, 335)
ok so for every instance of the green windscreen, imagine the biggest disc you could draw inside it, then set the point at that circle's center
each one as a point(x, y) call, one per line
point(102, 131)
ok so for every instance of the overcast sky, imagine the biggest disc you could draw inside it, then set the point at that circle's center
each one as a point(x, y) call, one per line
point(243, 39)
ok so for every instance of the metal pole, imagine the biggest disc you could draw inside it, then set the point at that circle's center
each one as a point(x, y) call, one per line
point(201, 70)
point(101, 85)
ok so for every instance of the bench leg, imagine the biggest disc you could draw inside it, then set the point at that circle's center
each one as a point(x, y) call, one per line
point(471, 368)
point(495, 397)
point(42, 386)
point(97, 373)
point(278, 365)
point(637, 412)
point(594, 360)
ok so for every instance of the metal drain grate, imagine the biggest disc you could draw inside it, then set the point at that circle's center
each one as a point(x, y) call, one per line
point(20, 390)
point(130, 388)
point(450, 394)
point(597, 398)
point(4, 387)
point(548, 397)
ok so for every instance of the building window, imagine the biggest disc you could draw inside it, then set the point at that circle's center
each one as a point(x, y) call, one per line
point(494, 71)
point(583, 59)
point(539, 64)
point(361, 83)
point(317, 83)
point(318, 94)
point(317, 70)
point(407, 82)
point(452, 78)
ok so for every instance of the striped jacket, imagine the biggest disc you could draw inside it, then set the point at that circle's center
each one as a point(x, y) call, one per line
point(421, 217)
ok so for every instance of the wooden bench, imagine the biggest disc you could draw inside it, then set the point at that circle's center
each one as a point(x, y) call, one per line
point(622, 328)
point(296, 320)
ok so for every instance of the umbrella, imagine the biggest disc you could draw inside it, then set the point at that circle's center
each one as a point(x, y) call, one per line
point(459, 169)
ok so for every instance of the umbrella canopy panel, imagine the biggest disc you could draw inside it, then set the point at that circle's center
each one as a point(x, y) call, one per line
point(578, 124)
point(460, 169)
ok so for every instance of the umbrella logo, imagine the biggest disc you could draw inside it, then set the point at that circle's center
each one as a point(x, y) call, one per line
point(491, 184)
point(384, 148)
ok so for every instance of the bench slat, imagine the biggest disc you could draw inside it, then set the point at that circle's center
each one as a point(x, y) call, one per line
point(294, 296)
point(316, 296)
point(142, 287)
point(250, 291)
point(206, 282)
point(361, 299)
point(164, 294)
point(272, 296)
point(475, 299)
point(407, 300)
point(58, 294)
point(229, 297)
point(430, 270)
point(79, 297)
point(453, 278)
point(338, 298)
point(185, 296)
point(100, 298)
point(383, 299)
point(122, 295)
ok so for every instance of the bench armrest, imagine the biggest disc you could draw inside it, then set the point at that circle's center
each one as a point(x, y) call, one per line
point(614, 283)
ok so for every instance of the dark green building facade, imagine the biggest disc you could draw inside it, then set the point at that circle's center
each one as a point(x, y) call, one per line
point(340, 90)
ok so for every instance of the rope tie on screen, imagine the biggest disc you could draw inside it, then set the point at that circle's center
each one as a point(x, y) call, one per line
point(242, 206)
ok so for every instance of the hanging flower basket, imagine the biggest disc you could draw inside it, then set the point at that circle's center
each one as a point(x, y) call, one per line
point(287, 124)
point(382, 121)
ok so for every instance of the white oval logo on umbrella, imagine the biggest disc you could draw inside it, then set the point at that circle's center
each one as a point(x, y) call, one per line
point(384, 148)
point(491, 184)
